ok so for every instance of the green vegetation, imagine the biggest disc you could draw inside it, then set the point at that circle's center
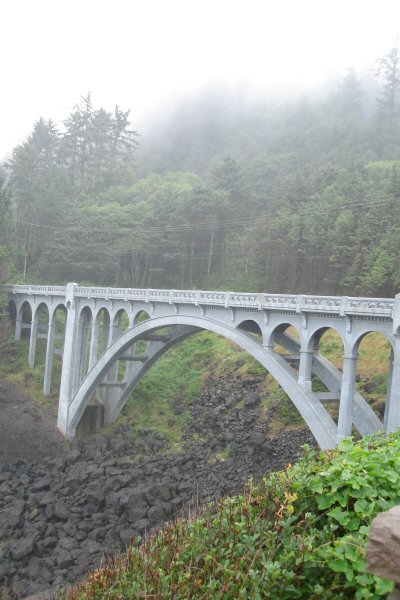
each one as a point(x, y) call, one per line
point(297, 197)
point(161, 400)
point(300, 534)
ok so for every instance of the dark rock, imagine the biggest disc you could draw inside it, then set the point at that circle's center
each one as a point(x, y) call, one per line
point(158, 512)
point(4, 567)
point(73, 456)
point(63, 558)
point(21, 548)
point(41, 484)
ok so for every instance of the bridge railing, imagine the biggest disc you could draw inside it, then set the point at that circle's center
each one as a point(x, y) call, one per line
point(342, 305)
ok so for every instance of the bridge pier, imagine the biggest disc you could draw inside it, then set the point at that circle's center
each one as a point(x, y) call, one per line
point(392, 413)
point(348, 389)
point(305, 369)
point(49, 355)
point(18, 328)
point(67, 373)
point(33, 340)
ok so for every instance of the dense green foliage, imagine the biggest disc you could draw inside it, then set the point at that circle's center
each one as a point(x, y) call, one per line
point(300, 534)
point(224, 192)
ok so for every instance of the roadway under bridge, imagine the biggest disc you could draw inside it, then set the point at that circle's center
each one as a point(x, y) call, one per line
point(112, 336)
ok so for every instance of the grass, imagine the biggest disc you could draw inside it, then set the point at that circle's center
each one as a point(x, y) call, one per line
point(162, 399)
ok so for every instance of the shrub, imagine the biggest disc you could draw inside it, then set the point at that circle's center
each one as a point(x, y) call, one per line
point(301, 533)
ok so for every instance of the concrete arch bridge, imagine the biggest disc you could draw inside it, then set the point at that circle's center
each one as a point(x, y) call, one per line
point(107, 347)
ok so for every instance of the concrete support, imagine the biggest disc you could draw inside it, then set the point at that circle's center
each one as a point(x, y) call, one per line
point(305, 369)
point(392, 416)
point(49, 356)
point(33, 340)
point(347, 397)
point(105, 332)
point(389, 387)
point(66, 387)
point(18, 328)
point(94, 343)
point(81, 350)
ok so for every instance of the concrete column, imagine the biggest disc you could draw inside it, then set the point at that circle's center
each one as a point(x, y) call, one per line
point(33, 340)
point(392, 416)
point(115, 331)
point(389, 387)
point(105, 333)
point(66, 387)
point(94, 343)
point(49, 356)
point(84, 350)
point(305, 369)
point(18, 328)
point(347, 397)
point(76, 373)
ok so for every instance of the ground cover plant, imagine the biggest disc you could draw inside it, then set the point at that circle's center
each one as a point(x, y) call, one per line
point(299, 534)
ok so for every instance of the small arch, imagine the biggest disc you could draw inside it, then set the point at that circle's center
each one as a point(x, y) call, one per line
point(140, 317)
point(42, 315)
point(120, 324)
point(328, 344)
point(251, 328)
point(84, 332)
point(59, 322)
point(103, 322)
point(25, 315)
point(84, 311)
point(374, 364)
point(285, 339)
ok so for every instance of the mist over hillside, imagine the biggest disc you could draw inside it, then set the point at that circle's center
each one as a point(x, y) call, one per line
point(227, 188)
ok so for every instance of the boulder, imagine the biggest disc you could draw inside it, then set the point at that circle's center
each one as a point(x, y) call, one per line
point(383, 552)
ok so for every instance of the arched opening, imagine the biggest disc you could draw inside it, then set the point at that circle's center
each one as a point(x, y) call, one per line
point(375, 356)
point(84, 333)
point(25, 314)
point(141, 346)
point(203, 387)
point(42, 317)
point(54, 359)
point(285, 341)
point(251, 327)
point(121, 325)
point(140, 317)
point(103, 325)
point(328, 344)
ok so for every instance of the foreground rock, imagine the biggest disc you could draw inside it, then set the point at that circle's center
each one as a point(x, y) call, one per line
point(60, 516)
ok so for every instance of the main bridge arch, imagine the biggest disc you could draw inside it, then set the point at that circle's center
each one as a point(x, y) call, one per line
point(161, 333)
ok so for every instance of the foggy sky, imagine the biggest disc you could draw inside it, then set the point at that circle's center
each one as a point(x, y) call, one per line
point(142, 54)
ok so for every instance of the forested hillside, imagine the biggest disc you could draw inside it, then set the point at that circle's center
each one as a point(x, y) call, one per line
point(293, 196)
